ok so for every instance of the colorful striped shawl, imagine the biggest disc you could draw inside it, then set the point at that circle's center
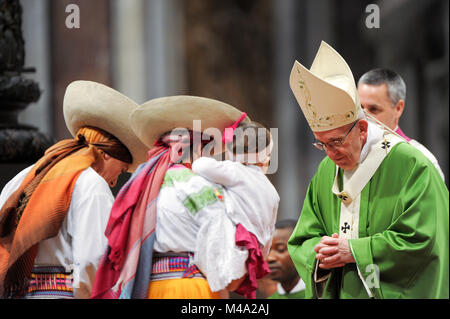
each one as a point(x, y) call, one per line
point(125, 269)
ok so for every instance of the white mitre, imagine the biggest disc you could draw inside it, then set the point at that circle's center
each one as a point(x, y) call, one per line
point(327, 92)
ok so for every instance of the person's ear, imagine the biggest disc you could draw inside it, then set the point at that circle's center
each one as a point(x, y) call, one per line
point(399, 107)
point(363, 127)
point(106, 156)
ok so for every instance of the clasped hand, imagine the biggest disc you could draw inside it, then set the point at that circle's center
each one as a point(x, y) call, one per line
point(333, 252)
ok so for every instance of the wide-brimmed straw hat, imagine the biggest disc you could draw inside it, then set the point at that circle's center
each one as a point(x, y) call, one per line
point(326, 92)
point(158, 116)
point(92, 104)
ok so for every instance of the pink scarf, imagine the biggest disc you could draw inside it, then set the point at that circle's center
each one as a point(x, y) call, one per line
point(256, 264)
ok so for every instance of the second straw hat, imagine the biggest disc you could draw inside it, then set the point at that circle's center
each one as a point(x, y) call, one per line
point(155, 117)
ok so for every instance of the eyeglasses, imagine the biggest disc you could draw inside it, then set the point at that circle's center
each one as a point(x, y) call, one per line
point(334, 143)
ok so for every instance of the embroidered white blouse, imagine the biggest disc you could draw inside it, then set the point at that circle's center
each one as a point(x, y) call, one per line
point(80, 242)
point(191, 217)
point(251, 198)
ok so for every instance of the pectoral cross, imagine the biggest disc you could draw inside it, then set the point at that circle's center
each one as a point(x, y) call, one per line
point(345, 227)
point(386, 144)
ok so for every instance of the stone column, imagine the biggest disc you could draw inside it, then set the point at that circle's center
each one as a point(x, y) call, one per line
point(165, 47)
point(289, 120)
point(129, 56)
point(299, 28)
point(20, 145)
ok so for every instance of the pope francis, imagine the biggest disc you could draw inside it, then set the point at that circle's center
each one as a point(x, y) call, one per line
point(375, 219)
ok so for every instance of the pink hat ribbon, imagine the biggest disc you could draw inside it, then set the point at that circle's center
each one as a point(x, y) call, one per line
point(228, 132)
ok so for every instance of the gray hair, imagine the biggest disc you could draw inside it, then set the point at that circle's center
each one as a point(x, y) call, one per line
point(394, 82)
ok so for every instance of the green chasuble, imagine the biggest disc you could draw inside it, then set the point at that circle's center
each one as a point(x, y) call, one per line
point(402, 246)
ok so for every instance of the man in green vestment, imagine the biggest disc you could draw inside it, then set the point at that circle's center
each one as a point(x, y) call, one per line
point(375, 220)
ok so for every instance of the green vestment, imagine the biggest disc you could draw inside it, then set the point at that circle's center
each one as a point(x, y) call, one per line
point(403, 231)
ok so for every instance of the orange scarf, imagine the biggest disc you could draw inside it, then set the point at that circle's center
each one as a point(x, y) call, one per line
point(35, 211)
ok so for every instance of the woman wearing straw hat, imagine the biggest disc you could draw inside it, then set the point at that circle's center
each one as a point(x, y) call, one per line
point(169, 235)
point(53, 213)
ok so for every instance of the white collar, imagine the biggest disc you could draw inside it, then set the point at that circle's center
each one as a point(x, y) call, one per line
point(298, 287)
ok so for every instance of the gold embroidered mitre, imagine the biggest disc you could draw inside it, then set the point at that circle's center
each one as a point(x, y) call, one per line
point(327, 92)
